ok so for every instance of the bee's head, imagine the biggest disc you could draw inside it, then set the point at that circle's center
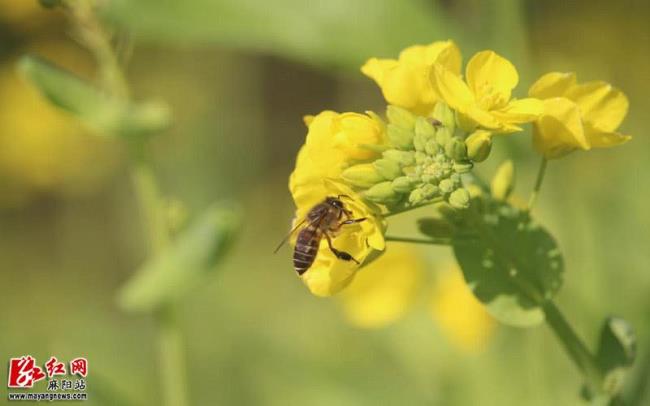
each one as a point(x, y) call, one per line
point(334, 201)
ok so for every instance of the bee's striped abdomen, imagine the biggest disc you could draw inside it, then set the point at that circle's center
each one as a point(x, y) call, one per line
point(306, 249)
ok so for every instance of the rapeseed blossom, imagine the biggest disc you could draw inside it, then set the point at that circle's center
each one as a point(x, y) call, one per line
point(577, 116)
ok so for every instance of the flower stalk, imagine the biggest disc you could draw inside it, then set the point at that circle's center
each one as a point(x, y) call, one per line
point(91, 33)
point(584, 360)
point(538, 183)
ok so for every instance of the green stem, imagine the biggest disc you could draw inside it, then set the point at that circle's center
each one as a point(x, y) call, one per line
point(409, 208)
point(429, 241)
point(538, 184)
point(172, 358)
point(170, 348)
point(91, 33)
point(577, 350)
point(149, 199)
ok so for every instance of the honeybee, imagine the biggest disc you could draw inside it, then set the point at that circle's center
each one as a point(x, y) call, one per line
point(322, 220)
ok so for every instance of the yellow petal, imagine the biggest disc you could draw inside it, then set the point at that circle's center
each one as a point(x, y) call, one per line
point(462, 319)
point(451, 88)
point(520, 111)
point(604, 139)
point(602, 105)
point(353, 132)
point(328, 275)
point(405, 82)
point(445, 53)
point(559, 130)
point(553, 84)
point(491, 78)
point(376, 69)
point(384, 290)
point(307, 119)
point(450, 57)
point(479, 116)
point(401, 84)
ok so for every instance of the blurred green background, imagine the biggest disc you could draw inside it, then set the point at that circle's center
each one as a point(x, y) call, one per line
point(239, 76)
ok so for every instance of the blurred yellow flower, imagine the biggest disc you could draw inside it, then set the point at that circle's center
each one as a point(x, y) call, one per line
point(43, 149)
point(577, 116)
point(485, 100)
point(387, 288)
point(384, 291)
point(22, 15)
point(461, 317)
point(405, 82)
point(334, 140)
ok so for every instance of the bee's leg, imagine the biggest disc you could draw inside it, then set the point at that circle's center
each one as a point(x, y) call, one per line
point(337, 227)
point(353, 221)
point(339, 254)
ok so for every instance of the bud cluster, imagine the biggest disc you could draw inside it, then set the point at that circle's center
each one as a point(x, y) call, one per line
point(423, 162)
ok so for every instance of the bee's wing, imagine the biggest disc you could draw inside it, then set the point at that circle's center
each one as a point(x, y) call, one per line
point(285, 239)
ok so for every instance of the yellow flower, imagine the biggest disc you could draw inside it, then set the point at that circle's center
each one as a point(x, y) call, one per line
point(577, 116)
point(461, 317)
point(334, 140)
point(485, 100)
point(384, 290)
point(404, 82)
point(328, 274)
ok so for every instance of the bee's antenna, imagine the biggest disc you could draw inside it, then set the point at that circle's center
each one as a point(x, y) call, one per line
point(340, 196)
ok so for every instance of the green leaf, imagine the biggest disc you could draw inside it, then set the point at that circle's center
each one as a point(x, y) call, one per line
point(616, 352)
point(104, 114)
point(514, 265)
point(184, 264)
point(435, 227)
point(337, 33)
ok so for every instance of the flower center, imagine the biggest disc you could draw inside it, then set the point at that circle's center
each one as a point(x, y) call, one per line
point(489, 98)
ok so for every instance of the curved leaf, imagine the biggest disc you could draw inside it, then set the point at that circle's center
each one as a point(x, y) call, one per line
point(102, 113)
point(184, 264)
point(513, 266)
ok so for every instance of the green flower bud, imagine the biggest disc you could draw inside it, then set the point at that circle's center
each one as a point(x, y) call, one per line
point(424, 128)
point(459, 198)
point(403, 184)
point(445, 115)
point(420, 157)
point(416, 196)
point(430, 191)
point(443, 135)
point(456, 149)
point(431, 147)
point(418, 142)
point(381, 193)
point(404, 158)
point(463, 166)
point(400, 117)
point(503, 181)
point(446, 186)
point(362, 175)
point(479, 144)
point(399, 136)
point(387, 168)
